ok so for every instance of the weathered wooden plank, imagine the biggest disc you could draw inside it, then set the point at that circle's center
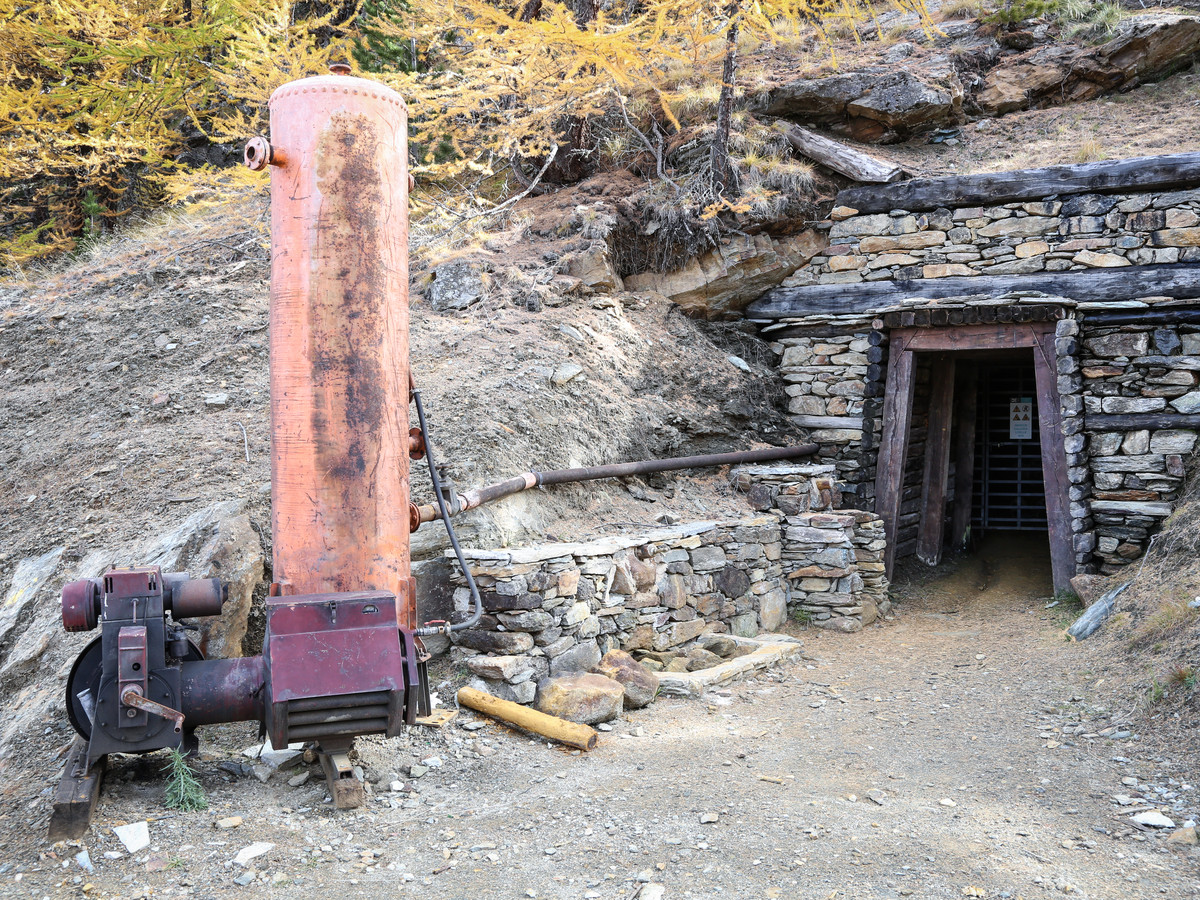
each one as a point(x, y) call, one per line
point(1137, 174)
point(1054, 463)
point(893, 445)
point(976, 337)
point(842, 158)
point(937, 462)
point(1137, 421)
point(966, 400)
point(1179, 280)
point(75, 797)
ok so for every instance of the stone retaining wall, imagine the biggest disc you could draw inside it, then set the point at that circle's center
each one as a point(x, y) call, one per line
point(557, 608)
point(1080, 232)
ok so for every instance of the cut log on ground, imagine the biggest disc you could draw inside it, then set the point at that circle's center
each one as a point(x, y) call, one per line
point(841, 158)
point(572, 734)
point(1129, 175)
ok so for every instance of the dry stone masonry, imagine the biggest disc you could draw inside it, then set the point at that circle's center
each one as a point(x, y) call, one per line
point(1075, 233)
point(555, 609)
point(1127, 366)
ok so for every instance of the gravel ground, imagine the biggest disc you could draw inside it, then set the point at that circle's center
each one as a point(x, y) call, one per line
point(954, 751)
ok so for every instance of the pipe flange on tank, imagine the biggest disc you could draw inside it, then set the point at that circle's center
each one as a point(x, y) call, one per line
point(81, 604)
point(259, 154)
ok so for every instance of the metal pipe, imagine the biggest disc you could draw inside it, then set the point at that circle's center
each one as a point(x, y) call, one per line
point(478, 496)
point(222, 690)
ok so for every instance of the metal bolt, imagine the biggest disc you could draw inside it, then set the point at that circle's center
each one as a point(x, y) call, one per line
point(130, 713)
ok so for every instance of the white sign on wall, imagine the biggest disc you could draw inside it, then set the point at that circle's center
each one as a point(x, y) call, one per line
point(1020, 419)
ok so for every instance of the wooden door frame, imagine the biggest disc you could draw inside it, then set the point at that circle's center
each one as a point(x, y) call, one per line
point(904, 343)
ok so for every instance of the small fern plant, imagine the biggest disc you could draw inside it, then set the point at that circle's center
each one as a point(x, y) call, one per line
point(184, 792)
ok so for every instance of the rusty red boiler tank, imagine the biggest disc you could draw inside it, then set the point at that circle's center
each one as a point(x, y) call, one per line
point(339, 339)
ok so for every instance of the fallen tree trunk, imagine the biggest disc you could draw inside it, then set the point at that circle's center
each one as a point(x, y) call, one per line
point(572, 734)
point(842, 159)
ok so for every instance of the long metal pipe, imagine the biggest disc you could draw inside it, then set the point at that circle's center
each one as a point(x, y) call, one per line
point(478, 496)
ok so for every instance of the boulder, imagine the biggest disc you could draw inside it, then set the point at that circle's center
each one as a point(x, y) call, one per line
point(455, 286)
point(215, 542)
point(722, 282)
point(523, 692)
point(640, 684)
point(586, 698)
point(874, 104)
point(1146, 47)
point(504, 643)
point(583, 657)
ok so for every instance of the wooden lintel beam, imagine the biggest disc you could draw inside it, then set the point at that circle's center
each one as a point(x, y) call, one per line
point(1178, 280)
point(977, 337)
point(1177, 170)
point(1138, 421)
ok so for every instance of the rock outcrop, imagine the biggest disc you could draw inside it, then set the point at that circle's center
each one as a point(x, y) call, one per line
point(722, 282)
point(1147, 47)
point(875, 104)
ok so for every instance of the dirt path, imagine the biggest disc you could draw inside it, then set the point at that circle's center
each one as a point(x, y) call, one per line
point(924, 758)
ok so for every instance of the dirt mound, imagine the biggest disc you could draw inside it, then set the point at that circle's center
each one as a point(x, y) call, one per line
point(1152, 641)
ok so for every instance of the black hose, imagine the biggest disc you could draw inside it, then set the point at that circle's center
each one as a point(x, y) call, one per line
point(447, 628)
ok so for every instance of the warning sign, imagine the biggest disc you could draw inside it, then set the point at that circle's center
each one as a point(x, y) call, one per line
point(1020, 419)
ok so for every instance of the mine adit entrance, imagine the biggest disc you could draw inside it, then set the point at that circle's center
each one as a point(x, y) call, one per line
point(972, 441)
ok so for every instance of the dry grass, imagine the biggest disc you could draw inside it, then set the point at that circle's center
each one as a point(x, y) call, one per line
point(964, 9)
point(1090, 150)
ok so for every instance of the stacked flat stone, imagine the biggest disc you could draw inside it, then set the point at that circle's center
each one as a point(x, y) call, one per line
point(834, 563)
point(825, 379)
point(1136, 475)
point(1079, 232)
point(557, 608)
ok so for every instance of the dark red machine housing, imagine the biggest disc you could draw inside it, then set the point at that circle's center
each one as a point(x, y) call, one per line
point(335, 668)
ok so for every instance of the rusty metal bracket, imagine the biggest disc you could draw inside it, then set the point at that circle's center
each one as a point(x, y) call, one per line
point(133, 698)
point(131, 672)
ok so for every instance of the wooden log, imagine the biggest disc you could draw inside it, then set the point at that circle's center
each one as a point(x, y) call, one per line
point(572, 734)
point(893, 447)
point(1139, 421)
point(841, 158)
point(1179, 315)
point(937, 463)
point(1054, 460)
point(1179, 280)
point(992, 188)
point(75, 797)
point(966, 400)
